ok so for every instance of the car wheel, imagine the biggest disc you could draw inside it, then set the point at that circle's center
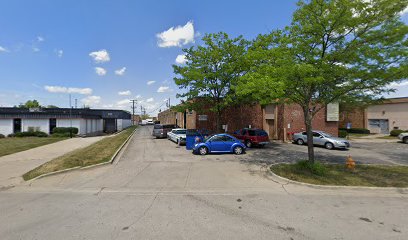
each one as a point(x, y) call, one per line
point(300, 141)
point(329, 146)
point(238, 150)
point(203, 150)
point(248, 144)
point(405, 140)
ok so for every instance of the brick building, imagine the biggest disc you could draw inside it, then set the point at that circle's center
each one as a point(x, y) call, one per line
point(277, 120)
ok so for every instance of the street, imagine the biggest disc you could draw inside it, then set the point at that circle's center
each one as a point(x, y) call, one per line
point(158, 191)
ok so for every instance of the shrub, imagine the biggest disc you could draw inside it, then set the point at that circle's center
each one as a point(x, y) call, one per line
point(11, 135)
point(315, 168)
point(2, 136)
point(65, 130)
point(31, 134)
point(356, 130)
point(343, 133)
point(61, 135)
point(396, 132)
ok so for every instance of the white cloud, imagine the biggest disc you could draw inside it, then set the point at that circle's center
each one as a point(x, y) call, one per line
point(138, 96)
point(40, 39)
point(121, 71)
point(36, 49)
point(149, 100)
point(163, 89)
point(59, 53)
point(400, 84)
point(100, 71)
point(181, 59)
point(100, 56)
point(150, 82)
point(405, 11)
point(91, 100)
point(2, 49)
point(125, 93)
point(176, 36)
point(59, 89)
point(123, 103)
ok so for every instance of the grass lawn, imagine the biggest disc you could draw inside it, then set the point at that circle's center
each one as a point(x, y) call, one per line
point(335, 174)
point(15, 144)
point(357, 135)
point(99, 152)
point(387, 137)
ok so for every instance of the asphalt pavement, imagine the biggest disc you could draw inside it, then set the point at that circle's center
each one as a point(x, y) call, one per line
point(159, 191)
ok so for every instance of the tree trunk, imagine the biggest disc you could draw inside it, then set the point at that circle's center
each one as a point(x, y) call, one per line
point(218, 122)
point(309, 132)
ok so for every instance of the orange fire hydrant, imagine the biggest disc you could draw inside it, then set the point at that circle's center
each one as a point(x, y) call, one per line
point(350, 164)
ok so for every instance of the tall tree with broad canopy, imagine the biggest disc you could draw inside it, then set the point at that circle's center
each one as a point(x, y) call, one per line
point(333, 49)
point(211, 72)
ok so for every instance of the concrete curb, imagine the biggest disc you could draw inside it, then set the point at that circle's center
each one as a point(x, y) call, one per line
point(86, 167)
point(330, 186)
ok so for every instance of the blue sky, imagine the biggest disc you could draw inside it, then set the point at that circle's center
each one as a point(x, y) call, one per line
point(106, 52)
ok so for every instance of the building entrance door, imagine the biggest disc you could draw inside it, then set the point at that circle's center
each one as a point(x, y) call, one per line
point(53, 124)
point(271, 128)
point(17, 125)
point(384, 126)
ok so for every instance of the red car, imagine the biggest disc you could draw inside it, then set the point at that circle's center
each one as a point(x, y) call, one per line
point(252, 137)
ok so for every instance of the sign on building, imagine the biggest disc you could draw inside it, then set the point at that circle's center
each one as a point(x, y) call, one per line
point(332, 112)
point(202, 117)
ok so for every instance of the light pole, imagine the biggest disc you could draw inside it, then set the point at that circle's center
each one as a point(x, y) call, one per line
point(70, 116)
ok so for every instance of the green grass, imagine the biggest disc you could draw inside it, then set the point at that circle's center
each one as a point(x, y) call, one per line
point(14, 144)
point(387, 137)
point(99, 152)
point(335, 174)
point(357, 135)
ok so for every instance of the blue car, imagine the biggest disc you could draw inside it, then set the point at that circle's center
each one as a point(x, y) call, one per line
point(219, 143)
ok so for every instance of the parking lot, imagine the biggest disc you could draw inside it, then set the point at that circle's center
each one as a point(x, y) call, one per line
point(361, 152)
point(380, 152)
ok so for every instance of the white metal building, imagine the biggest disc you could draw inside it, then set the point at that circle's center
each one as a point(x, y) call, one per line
point(88, 121)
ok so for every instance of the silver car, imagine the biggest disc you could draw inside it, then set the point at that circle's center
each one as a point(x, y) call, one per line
point(322, 139)
point(403, 137)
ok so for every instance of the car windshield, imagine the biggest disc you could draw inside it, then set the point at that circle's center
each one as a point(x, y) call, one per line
point(180, 131)
point(326, 134)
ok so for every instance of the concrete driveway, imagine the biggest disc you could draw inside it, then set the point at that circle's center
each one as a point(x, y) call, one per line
point(158, 191)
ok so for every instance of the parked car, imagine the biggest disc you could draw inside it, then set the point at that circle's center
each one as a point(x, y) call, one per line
point(220, 143)
point(252, 137)
point(404, 137)
point(322, 139)
point(177, 135)
point(149, 122)
point(161, 130)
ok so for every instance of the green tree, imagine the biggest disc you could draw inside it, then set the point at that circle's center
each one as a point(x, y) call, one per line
point(333, 49)
point(211, 72)
point(30, 104)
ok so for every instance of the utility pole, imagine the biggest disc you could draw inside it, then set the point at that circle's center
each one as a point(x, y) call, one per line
point(76, 103)
point(133, 101)
point(70, 116)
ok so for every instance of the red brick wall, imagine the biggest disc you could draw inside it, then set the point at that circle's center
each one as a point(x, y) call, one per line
point(293, 115)
point(356, 117)
point(236, 117)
